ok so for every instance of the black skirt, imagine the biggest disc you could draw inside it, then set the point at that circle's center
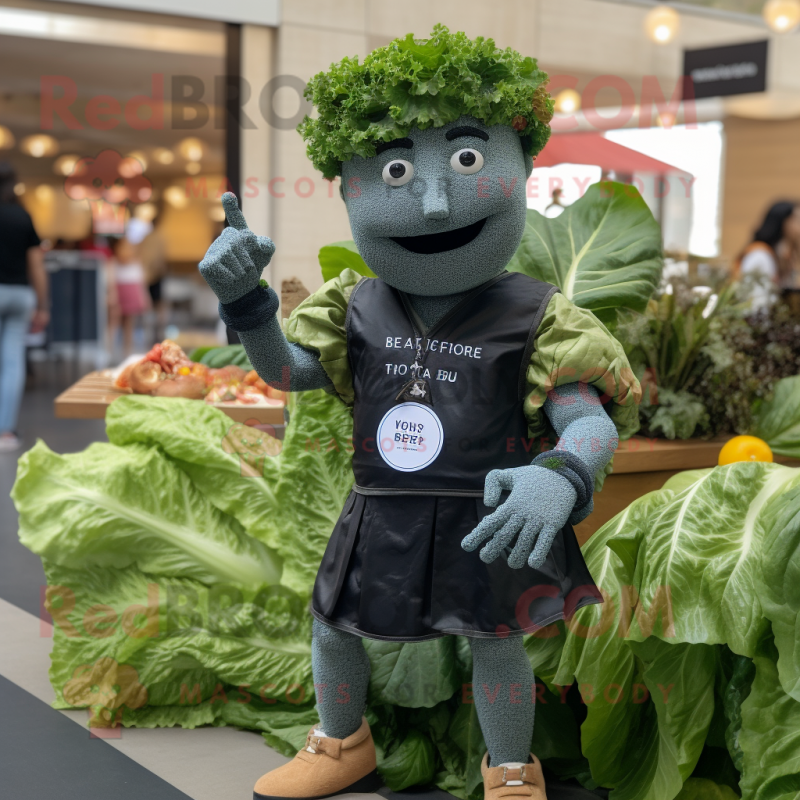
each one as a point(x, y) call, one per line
point(394, 569)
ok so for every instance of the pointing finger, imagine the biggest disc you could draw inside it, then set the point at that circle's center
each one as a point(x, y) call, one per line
point(233, 213)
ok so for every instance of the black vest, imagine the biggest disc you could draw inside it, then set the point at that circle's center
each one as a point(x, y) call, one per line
point(475, 359)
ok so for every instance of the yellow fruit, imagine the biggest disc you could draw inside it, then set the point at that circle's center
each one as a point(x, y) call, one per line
point(744, 448)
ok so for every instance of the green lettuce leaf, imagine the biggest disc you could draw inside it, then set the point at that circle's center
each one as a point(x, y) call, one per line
point(464, 749)
point(736, 692)
point(315, 478)
point(231, 354)
point(681, 570)
point(112, 507)
point(597, 657)
point(603, 251)
point(334, 258)
point(411, 764)
point(778, 586)
point(287, 494)
point(419, 674)
point(701, 789)
point(194, 648)
point(700, 560)
point(770, 736)
point(234, 465)
point(778, 421)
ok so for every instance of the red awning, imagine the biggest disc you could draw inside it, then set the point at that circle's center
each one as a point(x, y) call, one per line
point(594, 148)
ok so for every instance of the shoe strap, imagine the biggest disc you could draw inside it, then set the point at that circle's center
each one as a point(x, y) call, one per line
point(323, 744)
point(497, 777)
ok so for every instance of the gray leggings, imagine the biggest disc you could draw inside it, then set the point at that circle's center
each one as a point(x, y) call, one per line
point(502, 686)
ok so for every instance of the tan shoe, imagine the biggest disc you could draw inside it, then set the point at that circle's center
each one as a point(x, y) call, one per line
point(324, 767)
point(522, 782)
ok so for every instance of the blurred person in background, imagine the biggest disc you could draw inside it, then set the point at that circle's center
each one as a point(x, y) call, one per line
point(555, 208)
point(24, 301)
point(153, 255)
point(772, 259)
point(129, 292)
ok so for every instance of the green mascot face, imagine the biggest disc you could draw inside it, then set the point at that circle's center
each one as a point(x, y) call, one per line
point(440, 210)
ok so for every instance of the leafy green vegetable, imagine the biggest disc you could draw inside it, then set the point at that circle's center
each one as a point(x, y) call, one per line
point(736, 693)
point(779, 584)
point(745, 358)
point(411, 764)
point(603, 251)
point(420, 675)
point(422, 83)
point(198, 353)
point(190, 644)
point(232, 354)
point(778, 422)
point(114, 507)
point(703, 551)
point(682, 570)
point(333, 258)
point(180, 559)
point(315, 478)
point(700, 789)
point(666, 346)
point(290, 501)
point(770, 737)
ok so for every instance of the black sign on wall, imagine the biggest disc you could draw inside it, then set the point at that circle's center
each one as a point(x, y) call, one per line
point(721, 71)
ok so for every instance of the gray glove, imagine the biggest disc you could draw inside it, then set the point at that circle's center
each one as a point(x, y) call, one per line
point(542, 500)
point(538, 507)
point(232, 268)
point(233, 265)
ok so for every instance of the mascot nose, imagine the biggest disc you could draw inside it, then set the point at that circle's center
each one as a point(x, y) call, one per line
point(434, 200)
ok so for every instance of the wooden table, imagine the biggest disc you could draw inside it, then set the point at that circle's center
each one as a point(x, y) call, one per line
point(94, 393)
point(642, 465)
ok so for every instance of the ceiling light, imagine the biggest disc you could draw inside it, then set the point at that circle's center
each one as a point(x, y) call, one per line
point(163, 155)
point(193, 167)
point(146, 212)
point(64, 165)
point(567, 101)
point(44, 193)
point(661, 24)
point(176, 197)
point(782, 16)
point(6, 138)
point(39, 145)
point(191, 149)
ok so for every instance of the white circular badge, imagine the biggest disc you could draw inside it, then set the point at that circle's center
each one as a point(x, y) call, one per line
point(410, 437)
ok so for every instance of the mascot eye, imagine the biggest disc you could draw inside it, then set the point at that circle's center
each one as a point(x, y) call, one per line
point(398, 172)
point(466, 161)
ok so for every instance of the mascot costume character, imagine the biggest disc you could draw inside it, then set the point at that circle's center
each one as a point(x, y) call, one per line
point(450, 365)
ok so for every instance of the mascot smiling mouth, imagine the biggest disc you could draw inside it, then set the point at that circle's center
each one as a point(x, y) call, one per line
point(441, 242)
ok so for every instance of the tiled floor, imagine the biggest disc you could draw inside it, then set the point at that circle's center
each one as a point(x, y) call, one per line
point(47, 753)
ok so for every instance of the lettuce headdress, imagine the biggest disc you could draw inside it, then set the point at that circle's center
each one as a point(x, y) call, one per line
point(422, 83)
